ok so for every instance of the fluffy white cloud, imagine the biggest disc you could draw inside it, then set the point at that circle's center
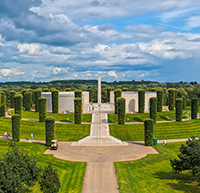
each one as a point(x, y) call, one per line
point(112, 73)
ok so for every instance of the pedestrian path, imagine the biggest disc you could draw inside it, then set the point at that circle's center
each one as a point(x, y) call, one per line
point(99, 131)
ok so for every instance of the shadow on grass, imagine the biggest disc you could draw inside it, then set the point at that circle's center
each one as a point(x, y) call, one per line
point(137, 119)
point(165, 118)
point(182, 182)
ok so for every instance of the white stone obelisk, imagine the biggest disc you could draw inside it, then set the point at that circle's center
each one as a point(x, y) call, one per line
point(99, 90)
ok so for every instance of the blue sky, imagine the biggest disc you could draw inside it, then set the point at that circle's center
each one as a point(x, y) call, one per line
point(43, 40)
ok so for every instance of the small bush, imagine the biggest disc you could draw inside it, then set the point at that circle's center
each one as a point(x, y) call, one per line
point(117, 94)
point(153, 108)
point(42, 109)
point(121, 103)
point(50, 127)
point(16, 127)
point(77, 110)
point(194, 108)
point(148, 131)
point(55, 98)
point(141, 101)
point(18, 104)
point(46, 90)
point(179, 106)
point(108, 94)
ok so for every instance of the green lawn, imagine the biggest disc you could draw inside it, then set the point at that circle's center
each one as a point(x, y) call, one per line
point(154, 174)
point(170, 130)
point(71, 173)
point(63, 132)
point(58, 116)
point(140, 117)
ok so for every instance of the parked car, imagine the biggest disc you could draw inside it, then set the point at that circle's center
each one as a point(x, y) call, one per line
point(54, 144)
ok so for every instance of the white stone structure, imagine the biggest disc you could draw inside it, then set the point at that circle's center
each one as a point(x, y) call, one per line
point(99, 90)
point(132, 100)
point(66, 101)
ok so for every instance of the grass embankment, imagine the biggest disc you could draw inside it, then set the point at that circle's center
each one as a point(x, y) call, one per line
point(154, 173)
point(140, 117)
point(58, 116)
point(71, 173)
point(63, 132)
point(171, 130)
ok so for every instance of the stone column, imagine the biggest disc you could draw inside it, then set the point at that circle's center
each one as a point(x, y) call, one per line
point(99, 90)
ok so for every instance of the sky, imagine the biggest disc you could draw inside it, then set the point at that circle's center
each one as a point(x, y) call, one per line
point(44, 40)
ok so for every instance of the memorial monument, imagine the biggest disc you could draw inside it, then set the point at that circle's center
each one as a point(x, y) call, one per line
point(99, 90)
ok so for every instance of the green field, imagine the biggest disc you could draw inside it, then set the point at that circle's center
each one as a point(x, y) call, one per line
point(63, 132)
point(170, 130)
point(58, 116)
point(140, 117)
point(154, 174)
point(71, 173)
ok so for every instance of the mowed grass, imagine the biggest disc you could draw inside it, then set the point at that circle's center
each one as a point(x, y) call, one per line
point(63, 132)
point(140, 117)
point(71, 173)
point(154, 174)
point(58, 116)
point(169, 130)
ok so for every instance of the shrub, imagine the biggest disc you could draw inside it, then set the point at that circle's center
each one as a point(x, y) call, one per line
point(171, 98)
point(27, 101)
point(16, 127)
point(121, 103)
point(148, 131)
point(78, 93)
point(3, 98)
point(23, 99)
point(124, 89)
point(12, 103)
point(55, 96)
point(2, 110)
point(159, 100)
point(188, 102)
point(42, 109)
point(18, 104)
point(8, 99)
point(38, 94)
point(179, 105)
point(117, 94)
point(108, 94)
point(141, 101)
point(46, 90)
point(194, 108)
point(68, 89)
point(90, 94)
point(184, 103)
point(153, 108)
point(77, 110)
point(164, 97)
point(50, 127)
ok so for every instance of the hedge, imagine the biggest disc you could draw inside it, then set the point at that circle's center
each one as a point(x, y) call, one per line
point(38, 94)
point(164, 97)
point(194, 108)
point(50, 127)
point(42, 109)
point(3, 98)
point(179, 106)
point(159, 100)
point(46, 90)
point(77, 110)
point(16, 127)
point(108, 94)
point(27, 101)
point(78, 93)
point(8, 98)
point(68, 89)
point(2, 110)
point(171, 98)
point(141, 101)
point(117, 94)
point(12, 103)
point(55, 96)
point(124, 89)
point(148, 132)
point(18, 104)
point(90, 94)
point(153, 108)
point(121, 103)
point(23, 100)
point(184, 103)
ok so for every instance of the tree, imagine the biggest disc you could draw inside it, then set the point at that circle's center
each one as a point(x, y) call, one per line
point(17, 170)
point(50, 182)
point(141, 100)
point(121, 103)
point(148, 131)
point(189, 158)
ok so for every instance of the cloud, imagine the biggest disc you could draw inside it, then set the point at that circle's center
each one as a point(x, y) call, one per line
point(112, 73)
